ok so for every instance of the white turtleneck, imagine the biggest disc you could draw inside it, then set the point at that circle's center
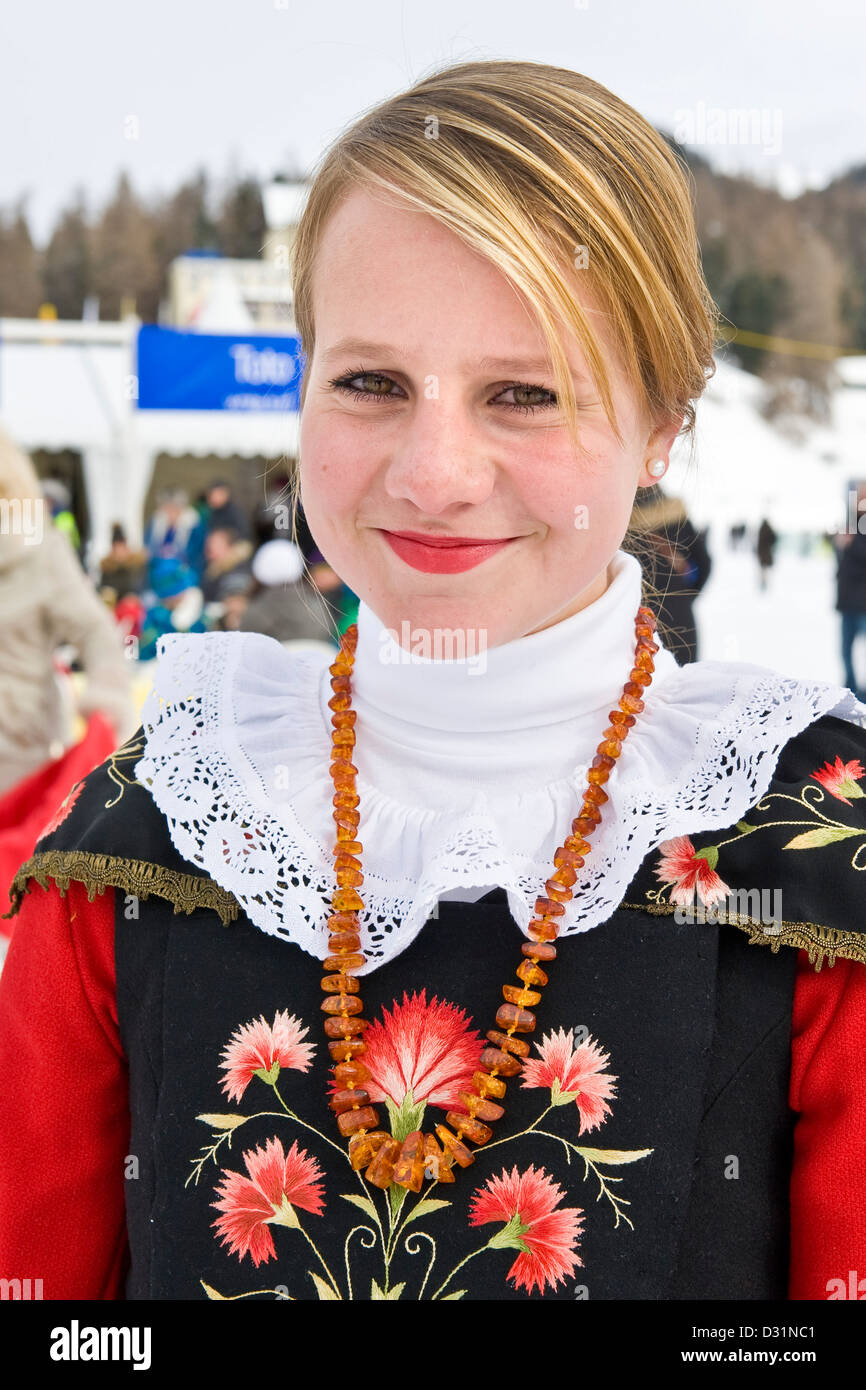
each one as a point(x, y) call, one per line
point(468, 779)
point(455, 733)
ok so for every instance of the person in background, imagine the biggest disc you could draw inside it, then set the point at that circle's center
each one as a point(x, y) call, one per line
point(175, 531)
point(765, 547)
point(123, 570)
point(177, 605)
point(677, 564)
point(60, 502)
point(226, 555)
point(285, 604)
point(47, 601)
point(224, 513)
point(227, 615)
point(851, 591)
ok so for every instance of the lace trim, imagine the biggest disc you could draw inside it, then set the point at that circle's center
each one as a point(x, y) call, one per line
point(226, 714)
point(185, 892)
point(821, 943)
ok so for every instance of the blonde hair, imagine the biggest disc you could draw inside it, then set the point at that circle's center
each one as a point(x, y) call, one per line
point(547, 174)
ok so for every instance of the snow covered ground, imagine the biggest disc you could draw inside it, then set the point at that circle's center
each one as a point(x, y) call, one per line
point(792, 627)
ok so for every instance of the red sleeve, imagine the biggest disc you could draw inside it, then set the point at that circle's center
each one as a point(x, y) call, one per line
point(64, 1113)
point(828, 1090)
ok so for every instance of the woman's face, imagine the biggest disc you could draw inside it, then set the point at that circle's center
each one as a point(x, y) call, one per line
point(457, 434)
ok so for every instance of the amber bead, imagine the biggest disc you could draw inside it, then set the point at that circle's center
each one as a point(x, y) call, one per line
point(631, 702)
point(546, 907)
point(541, 950)
point(531, 974)
point(632, 688)
point(479, 1107)
point(597, 775)
point(619, 716)
point(342, 921)
point(351, 961)
point(646, 644)
point(473, 1129)
point(339, 701)
point(612, 747)
point(348, 873)
point(381, 1171)
point(341, 767)
point(344, 719)
point(488, 1085)
point(349, 847)
point(603, 760)
point(512, 1016)
point(342, 1004)
point(351, 1073)
point(455, 1147)
point(508, 1042)
point(644, 660)
point(575, 845)
point(350, 1120)
point(347, 801)
point(513, 994)
point(584, 825)
point(566, 874)
point(557, 892)
point(363, 1147)
point(594, 796)
point(502, 1061)
point(437, 1163)
point(340, 941)
point(640, 678)
point(410, 1165)
point(542, 931)
point(343, 738)
point(566, 857)
point(340, 984)
point(345, 1100)
point(347, 1048)
point(344, 1027)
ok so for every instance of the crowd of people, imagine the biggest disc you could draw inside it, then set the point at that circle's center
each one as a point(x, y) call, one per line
point(209, 566)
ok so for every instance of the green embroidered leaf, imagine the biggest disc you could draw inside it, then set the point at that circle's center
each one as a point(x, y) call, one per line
point(744, 827)
point(407, 1117)
point(449, 1297)
point(212, 1293)
point(223, 1121)
point(376, 1294)
point(363, 1202)
point(270, 1075)
point(425, 1207)
point(710, 853)
point(825, 835)
point(325, 1292)
point(613, 1156)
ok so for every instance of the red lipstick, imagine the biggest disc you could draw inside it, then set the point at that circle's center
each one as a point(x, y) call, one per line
point(443, 554)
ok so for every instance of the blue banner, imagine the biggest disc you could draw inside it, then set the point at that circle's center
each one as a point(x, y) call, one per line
point(182, 370)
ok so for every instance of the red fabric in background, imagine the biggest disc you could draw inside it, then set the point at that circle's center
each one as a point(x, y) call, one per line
point(64, 1122)
point(26, 808)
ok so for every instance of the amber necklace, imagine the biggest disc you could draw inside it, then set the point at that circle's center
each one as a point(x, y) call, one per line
point(407, 1162)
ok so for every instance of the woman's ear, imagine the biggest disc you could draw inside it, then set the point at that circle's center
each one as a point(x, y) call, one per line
point(658, 446)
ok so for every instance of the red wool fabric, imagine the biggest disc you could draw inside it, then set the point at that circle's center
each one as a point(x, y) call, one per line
point(64, 1121)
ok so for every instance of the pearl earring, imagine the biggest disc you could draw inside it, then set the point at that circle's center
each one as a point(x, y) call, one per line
point(657, 467)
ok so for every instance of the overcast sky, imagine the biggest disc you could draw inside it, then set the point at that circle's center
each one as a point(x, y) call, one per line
point(161, 87)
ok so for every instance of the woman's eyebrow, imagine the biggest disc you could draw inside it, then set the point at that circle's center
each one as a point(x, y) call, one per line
point(363, 348)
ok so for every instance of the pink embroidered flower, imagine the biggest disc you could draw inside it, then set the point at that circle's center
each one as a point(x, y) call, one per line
point(259, 1047)
point(426, 1048)
point(62, 811)
point(840, 779)
point(277, 1183)
point(690, 872)
point(534, 1223)
point(572, 1073)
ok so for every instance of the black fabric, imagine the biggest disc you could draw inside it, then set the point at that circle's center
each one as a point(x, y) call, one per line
point(697, 1026)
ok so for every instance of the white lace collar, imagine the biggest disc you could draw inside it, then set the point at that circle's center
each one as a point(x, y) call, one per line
point(467, 781)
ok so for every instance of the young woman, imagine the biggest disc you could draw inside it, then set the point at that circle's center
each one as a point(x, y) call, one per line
point(479, 961)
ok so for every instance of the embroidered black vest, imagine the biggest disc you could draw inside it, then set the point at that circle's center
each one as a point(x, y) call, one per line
point(645, 1149)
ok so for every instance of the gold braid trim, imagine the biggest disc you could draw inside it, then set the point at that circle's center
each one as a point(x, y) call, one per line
point(821, 943)
point(100, 871)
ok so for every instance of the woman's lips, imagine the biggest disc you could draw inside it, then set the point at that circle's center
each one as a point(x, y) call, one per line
point(442, 555)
